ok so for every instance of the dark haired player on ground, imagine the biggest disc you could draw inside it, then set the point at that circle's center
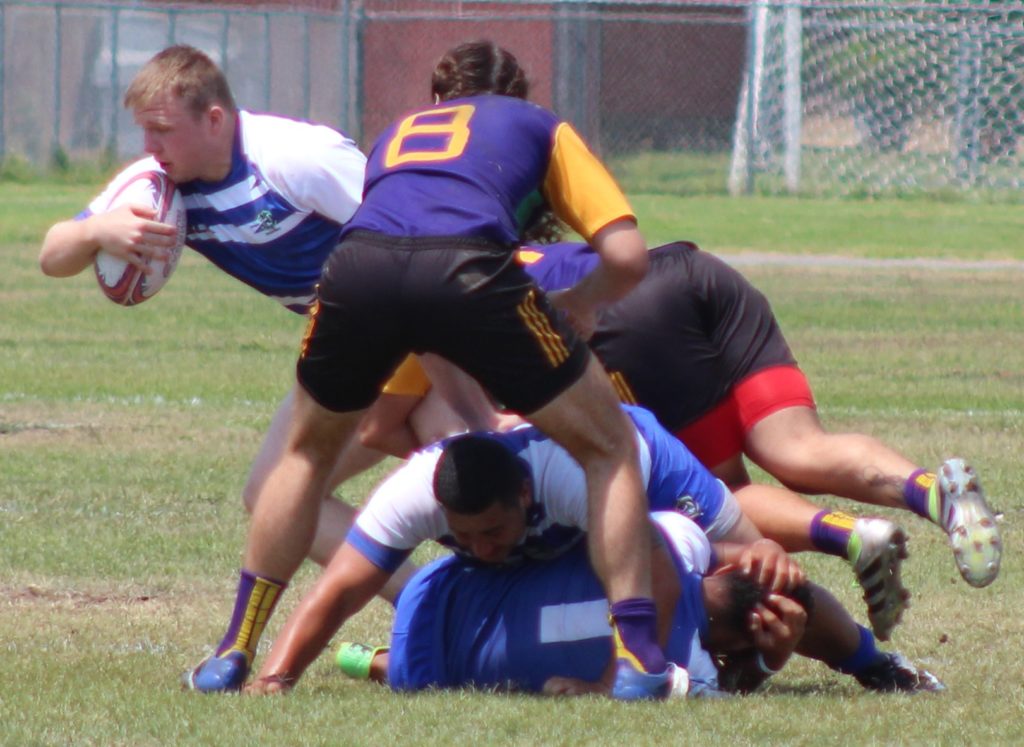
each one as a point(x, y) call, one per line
point(541, 626)
point(426, 264)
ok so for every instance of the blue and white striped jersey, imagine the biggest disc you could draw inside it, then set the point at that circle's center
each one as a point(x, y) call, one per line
point(403, 512)
point(278, 214)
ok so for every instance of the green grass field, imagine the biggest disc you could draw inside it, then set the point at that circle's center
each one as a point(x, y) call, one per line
point(126, 436)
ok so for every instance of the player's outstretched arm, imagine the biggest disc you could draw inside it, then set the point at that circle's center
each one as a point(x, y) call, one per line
point(347, 584)
point(127, 232)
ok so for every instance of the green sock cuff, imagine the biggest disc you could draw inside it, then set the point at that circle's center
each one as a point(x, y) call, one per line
point(935, 512)
point(355, 659)
point(853, 547)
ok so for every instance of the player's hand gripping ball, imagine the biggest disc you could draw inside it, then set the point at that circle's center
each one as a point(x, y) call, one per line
point(122, 282)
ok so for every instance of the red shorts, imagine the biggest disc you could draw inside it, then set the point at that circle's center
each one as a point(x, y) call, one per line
point(720, 433)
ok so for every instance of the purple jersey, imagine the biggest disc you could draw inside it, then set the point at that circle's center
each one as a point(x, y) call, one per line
point(463, 167)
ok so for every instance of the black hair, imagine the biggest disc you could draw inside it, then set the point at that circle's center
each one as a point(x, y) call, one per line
point(476, 471)
point(745, 592)
point(478, 67)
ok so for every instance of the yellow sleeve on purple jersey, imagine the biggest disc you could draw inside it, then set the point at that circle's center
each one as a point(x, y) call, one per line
point(579, 188)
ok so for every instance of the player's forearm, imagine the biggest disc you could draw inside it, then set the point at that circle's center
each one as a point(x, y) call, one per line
point(624, 262)
point(69, 248)
point(305, 635)
point(348, 583)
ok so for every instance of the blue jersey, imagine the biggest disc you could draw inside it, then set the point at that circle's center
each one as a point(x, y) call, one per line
point(402, 512)
point(464, 167)
point(459, 624)
point(277, 215)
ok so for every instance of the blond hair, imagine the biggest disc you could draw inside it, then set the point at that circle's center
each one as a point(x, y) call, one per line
point(185, 73)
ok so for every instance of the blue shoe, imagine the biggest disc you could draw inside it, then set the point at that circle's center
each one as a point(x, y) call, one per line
point(219, 674)
point(632, 684)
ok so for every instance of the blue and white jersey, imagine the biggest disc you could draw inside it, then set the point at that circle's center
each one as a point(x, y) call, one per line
point(278, 214)
point(459, 624)
point(403, 512)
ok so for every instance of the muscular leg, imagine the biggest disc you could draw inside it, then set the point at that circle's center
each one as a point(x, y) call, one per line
point(336, 516)
point(791, 445)
point(779, 514)
point(284, 523)
point(588, 422)
point(833, 638)
point(287, 509)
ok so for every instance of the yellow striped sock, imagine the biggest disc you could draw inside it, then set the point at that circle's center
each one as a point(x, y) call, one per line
point(261, 603)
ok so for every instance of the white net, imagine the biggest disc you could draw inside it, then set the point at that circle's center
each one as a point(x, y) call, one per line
point(871, 99)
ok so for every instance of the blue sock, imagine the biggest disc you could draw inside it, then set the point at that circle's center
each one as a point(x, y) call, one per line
point(865, 655)
point(634, 625)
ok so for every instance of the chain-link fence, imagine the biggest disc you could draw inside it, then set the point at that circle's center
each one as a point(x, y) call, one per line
point(681, 96)
point(882, 98)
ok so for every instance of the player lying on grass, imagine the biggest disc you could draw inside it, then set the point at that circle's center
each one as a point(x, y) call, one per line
point(500, 498)
point(699, 346)
point(541, 626)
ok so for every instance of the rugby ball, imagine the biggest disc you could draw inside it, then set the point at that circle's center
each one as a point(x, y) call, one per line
point(121, 282)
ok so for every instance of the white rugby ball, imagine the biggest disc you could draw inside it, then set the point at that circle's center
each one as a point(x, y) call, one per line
point(121, 281)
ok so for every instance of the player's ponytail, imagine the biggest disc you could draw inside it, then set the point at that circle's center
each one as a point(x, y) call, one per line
point(475, 68)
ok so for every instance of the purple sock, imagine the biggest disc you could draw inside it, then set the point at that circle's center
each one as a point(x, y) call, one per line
point(830, 532)
point(255, 601)
point(865, 654)
point(634, 623)
point(917, 492)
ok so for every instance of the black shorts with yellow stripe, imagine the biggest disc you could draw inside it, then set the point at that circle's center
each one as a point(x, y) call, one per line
point(466, 299)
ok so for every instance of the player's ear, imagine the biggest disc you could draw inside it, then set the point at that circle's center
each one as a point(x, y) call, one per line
point(217, 118)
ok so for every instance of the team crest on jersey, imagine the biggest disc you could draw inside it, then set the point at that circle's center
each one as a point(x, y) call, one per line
point(687, 506)
point(265, 223)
